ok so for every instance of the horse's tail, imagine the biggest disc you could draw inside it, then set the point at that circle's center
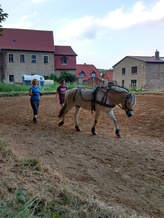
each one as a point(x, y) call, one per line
point(65, 106)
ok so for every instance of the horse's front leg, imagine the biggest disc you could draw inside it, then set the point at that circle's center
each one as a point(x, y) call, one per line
point(93, 130)
point(117, 130)
point(77, 109)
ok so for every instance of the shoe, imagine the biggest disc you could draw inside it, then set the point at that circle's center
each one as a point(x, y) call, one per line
point(34, 120)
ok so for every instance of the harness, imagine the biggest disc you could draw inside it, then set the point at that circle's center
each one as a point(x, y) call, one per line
point(94, 101)
point(102, 102)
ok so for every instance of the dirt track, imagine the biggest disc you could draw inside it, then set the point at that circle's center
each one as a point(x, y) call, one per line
point(127, 171)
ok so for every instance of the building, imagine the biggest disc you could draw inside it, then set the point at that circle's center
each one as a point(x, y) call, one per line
point(140, 72)
point(64, 60)
point(108, 78)
point(88, 74)
point(32, 52)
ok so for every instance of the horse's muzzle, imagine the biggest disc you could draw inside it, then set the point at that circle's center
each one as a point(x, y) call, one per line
point(129, 113)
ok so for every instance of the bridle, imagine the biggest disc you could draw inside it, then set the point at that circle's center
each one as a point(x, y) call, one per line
point(125, 107)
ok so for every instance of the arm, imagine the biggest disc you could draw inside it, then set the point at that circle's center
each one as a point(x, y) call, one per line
point(30, 92)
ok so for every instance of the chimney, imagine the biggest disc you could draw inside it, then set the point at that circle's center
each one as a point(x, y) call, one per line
point(157, 54)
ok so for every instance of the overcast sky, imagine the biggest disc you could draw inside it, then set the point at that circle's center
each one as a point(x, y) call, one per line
point(101, 32)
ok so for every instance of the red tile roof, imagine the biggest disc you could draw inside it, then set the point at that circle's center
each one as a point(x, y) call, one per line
point(64, 50)
point(108, 75)
point(29, 40)
point(87, 69)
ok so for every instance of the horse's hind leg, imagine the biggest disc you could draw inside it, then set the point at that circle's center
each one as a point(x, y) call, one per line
point(77, 109)
point(117, 131)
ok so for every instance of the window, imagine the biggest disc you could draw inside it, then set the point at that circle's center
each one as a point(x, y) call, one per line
point(22, 58)
point(122, 83)
point(93, 74)
point(123, 71)
point(133, 82)
point(33, 58)
point(64, 60)
point(11, 58)
point(45, 59)
point(11, 78)
point(82, 74)
point(134, 69)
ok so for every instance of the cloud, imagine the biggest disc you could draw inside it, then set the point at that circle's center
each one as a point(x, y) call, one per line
point(119, 19)
point(24, 21)
point(89, 27)
point(40, 1)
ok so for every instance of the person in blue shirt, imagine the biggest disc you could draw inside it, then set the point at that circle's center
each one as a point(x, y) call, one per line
point(35, 94)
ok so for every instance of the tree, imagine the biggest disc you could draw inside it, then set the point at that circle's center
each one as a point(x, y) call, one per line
point(68, 77)
point(3, 17)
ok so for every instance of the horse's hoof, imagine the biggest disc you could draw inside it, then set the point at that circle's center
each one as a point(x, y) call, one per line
point(118, 134)
point(93, 131)
point(78, 128)
point(60, 123)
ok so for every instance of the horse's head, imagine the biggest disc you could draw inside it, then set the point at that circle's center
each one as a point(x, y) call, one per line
point(129, 104)
point(123, 98)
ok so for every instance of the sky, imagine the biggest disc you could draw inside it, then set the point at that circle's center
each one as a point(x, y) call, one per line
point(101, 32)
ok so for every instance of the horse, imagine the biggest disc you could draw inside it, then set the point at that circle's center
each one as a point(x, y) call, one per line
point(99, 99)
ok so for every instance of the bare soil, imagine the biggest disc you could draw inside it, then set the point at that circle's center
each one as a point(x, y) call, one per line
point(127, 171)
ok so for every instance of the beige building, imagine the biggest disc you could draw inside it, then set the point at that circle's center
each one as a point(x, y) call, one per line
point(140, 72)
point(25, 52)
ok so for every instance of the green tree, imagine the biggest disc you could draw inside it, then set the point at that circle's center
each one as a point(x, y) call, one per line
point(68, 77)
point(3, 17)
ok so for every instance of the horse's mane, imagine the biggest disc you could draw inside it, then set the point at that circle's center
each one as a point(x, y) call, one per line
point(115, 88)
point(119, 88)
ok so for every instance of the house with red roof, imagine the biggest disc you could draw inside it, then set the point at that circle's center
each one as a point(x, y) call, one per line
point(25, 52)
point(88, 74)
point(64, 60)
point(30, 52)
point(108, 78)
point(108, 75)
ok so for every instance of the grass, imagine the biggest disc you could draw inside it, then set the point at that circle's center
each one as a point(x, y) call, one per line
point(15, 88)
point(31, 189)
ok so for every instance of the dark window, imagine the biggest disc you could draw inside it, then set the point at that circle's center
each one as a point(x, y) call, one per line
point(133, 82)
point(122, 83)
point(64, 60)
point(11, 78)
point(82, 74)
point(22, 58)
point(11, 58)
point(123, 71)
point(45, 59)
point(33, 58)
point(134, 69)
point(93, 74)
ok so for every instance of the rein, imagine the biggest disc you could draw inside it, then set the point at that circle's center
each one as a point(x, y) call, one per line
point(125, 106)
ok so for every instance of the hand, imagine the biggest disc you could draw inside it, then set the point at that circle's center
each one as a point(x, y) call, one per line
point(41, 94)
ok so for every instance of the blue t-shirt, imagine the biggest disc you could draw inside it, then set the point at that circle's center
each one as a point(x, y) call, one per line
point(35, 93)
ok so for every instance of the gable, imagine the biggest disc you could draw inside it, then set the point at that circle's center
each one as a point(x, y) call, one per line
point(87, 70)
point(108, 75)
point(28, 40)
